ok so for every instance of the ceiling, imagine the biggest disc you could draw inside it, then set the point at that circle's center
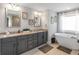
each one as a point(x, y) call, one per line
point(57, 7)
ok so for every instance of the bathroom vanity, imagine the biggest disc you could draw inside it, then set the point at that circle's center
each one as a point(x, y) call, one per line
point(17, 43)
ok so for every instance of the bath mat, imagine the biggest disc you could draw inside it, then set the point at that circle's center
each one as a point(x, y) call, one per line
point(64, 49)
point(45, 48)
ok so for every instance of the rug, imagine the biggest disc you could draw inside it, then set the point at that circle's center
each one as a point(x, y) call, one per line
point(64, 49)
point(45, 48)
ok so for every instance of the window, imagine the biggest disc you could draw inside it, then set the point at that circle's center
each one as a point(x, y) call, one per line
point(69, 23)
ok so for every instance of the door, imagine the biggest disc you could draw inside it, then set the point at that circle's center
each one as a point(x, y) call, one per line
point(45, 37)
point(40, 38)
point(8, 46)
point(35, 40)
point(21, 44)
point(30, 42)
point(0, 46)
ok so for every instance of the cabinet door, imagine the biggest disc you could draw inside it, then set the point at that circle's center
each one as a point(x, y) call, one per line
point(30, 42)
point(45, 37)
point(21, 44)
point(8, 46)
point(40, 38)
point(35, 40)
point(0, 46)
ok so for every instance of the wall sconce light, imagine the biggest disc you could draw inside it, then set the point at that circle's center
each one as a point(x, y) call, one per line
point(37, 13)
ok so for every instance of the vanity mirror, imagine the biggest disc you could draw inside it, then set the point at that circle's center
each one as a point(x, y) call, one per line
point(12, 18)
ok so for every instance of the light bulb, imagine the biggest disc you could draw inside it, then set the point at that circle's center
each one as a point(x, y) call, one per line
point(40, 14)
point(35, 13)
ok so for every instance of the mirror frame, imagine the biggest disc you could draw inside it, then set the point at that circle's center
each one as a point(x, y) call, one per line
point(6, 12)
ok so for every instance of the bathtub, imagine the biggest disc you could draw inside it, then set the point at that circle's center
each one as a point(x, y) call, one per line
point(67, 40)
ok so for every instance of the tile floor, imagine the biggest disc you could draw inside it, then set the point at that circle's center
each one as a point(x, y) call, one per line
point(53, 51)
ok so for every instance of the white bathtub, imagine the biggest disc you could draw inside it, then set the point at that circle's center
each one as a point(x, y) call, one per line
point(67, 40)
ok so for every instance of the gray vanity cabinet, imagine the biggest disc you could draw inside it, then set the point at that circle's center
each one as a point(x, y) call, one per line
point(21, 44)
point(8, 46)
point(45, 38)
point(40, 38)
point(30, 42)
point(0, 46)
point(35, 39)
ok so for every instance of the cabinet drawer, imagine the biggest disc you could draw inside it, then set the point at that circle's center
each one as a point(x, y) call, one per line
point(11, 39)
point(35, 34)
point(29, 36)
point(22, 37)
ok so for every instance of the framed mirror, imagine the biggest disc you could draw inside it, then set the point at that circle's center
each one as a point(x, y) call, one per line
point(12, 18)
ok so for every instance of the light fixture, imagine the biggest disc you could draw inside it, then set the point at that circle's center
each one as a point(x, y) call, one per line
point(68, 8)
point(39, 13)
point(12, 6)
point(35, 13)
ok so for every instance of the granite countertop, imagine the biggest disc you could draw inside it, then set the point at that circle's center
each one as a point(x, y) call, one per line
point(21, 33)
